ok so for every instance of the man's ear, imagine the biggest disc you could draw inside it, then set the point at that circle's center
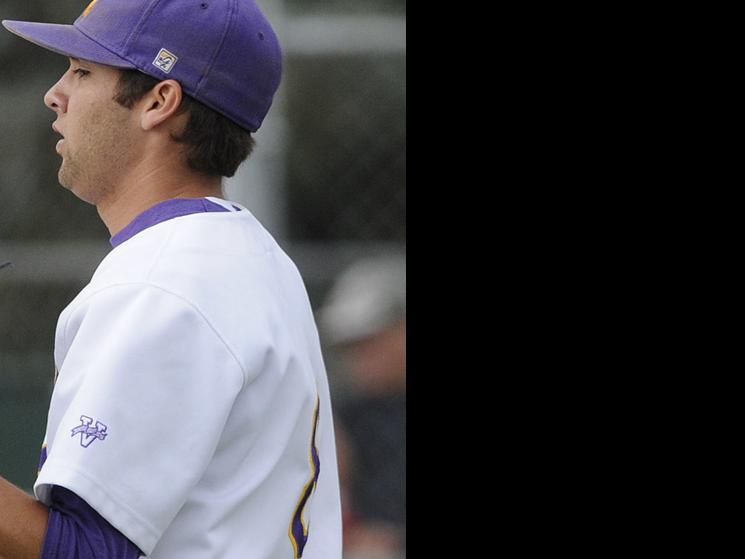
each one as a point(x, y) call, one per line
point(160, 103)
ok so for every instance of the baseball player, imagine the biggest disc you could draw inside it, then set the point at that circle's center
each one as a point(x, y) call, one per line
point(190, 417)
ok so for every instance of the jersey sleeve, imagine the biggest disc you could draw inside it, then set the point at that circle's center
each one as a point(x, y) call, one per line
point(76, 531)
point(142, 396)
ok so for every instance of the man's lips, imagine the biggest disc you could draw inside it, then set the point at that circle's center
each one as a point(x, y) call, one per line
point(61, 142)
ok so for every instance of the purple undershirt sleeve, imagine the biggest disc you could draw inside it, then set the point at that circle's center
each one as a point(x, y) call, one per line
point(76, 531)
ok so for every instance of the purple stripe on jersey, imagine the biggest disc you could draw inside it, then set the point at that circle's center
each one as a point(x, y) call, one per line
point(42, 457)
point(76, 531)
point(299, 531)
point(176, 207)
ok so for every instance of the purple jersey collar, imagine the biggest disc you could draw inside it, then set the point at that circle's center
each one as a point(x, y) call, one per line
point(169, 209)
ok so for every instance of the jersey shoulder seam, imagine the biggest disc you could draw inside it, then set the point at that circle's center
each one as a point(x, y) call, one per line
point(193, 306)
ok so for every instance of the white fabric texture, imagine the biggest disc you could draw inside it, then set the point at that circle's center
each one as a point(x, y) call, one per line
point(189, 374)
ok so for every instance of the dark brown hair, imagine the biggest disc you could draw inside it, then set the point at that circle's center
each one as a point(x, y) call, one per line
point(215, 145)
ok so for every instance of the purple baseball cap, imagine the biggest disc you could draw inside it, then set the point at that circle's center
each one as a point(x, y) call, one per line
point(224, 53)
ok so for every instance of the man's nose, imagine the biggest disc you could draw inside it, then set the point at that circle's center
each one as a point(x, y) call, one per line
point(55, 99)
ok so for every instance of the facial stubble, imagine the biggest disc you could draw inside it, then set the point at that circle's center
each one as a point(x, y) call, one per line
point(95, 161)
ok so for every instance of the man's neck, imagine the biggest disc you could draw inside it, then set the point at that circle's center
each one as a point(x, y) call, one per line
point(145, 187)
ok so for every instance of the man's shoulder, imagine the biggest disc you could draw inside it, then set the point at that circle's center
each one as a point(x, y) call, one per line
point(224, 264)
point(200, 247)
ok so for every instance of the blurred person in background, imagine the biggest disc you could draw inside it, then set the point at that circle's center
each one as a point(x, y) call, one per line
point(364, 321)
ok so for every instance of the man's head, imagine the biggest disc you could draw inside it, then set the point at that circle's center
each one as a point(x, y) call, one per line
point(96, 133)
point(207, 69)
point(213, 144)
point(224, 53)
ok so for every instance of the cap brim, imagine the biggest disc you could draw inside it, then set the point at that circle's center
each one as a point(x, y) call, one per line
point(66, 40)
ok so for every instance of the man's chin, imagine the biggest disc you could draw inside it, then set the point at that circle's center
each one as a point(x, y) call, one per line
point(69, 177)
point(69, 183)
point(65, 181)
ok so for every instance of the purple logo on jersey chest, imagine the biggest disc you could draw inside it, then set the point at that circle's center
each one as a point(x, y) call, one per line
point(89, 432)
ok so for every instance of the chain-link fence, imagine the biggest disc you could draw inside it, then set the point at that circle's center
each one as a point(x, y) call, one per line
point(339, 184)
point(346, 174)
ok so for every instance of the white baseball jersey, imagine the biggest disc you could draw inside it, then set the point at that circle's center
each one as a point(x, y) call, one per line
point(191, 407)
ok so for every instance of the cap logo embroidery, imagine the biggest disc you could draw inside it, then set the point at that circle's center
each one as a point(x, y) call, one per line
point(89, 8)
point(165, 60)
point(88, 432)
